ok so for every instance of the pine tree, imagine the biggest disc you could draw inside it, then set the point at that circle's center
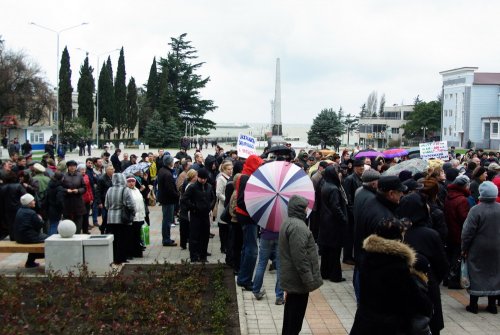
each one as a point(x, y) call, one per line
point(327, 127)
point(132, 108)
point(156, 131)
point(173, 133)
point(364, 111)
point(119, 116)
point(382, 105)
point(65, 91)
point(167, 104)
point(86, 89)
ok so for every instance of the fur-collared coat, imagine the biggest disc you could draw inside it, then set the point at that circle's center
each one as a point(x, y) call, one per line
point(389, 297)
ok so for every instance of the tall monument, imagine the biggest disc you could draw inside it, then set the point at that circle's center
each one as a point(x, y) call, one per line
point(277, 132)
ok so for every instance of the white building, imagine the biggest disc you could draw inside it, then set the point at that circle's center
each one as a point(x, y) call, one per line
point(471, 108)
point(381, 131)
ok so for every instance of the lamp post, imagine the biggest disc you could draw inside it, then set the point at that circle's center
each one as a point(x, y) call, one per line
point(58, 32)
point(424, 128)
point(186, 128)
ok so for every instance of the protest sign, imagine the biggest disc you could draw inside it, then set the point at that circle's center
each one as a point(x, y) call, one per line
point(246, 146)
point(436, 150)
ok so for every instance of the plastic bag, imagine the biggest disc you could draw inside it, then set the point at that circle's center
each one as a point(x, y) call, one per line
point(145, 234)
point(464, 275)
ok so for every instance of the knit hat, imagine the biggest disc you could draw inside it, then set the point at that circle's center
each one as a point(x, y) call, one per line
point(404, 175)
point(358, 162)
point(203, 173)
point(71, 163)
point(462, 180)
point(447, 166)
point(370, 175)
point(167, 160)
point(494, 167)
point(452, 174)
point(81, 166)
point(413, 185)
point(26, 199)
point(39, 167)
point(478, 171)
point(488, 191)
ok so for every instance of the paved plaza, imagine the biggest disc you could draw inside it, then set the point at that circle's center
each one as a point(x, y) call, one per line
point(330, 310)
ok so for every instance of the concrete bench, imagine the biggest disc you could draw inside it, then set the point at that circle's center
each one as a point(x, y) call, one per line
point(14, 247)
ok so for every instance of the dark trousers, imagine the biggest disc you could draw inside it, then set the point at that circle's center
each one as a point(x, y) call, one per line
point(349, 238)
point(295, 310)
point(330, 263)
point(237, 237)
point(199, 234)
point(77, 219)
point(314, 224)
point(34, 256)
point(184, 232)
point(85, 219)
point(135, 246)
point(223, 235)
point(229, 245)
point(120, 241)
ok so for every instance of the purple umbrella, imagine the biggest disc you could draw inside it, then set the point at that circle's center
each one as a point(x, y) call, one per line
point(367, 153)
point(395, 152)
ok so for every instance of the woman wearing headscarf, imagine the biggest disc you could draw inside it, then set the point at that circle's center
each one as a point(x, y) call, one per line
point(481, 248)
point(333, 224)
point(135, 245)
point(479, 175)
point(117, 199)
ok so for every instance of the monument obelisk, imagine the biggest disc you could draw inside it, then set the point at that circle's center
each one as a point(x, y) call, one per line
point(277, 132)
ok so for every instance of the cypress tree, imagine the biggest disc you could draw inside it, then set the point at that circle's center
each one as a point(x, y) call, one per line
point(86, 89)
point(120, 111)
point(106, 98)
point(65, 91)
point(152, 87)
point(132, 108)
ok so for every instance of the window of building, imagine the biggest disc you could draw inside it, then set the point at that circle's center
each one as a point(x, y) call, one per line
point(494, 128)
point(445, 112)
point(451, 112)
point(36, 137)
point(395, 130)
point(444, 131)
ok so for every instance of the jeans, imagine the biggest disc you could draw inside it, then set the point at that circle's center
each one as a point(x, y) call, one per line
point(266, 249)
point(53, 226)
point(249, 253)
point(168, 219)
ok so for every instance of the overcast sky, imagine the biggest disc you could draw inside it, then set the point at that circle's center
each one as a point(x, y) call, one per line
point(333, 53)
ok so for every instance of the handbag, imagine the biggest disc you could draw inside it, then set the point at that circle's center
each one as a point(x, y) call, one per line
point(127, 214)
point(145, 234)
point(420, 325)
point(454, 275)
point(464, 274)
point(226, 216)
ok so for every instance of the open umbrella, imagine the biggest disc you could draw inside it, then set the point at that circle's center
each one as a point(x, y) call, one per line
point(368, 153)
point(413, 165)
point(141, 166)
point(269, 189)
point(314, 168)
point(395, 152)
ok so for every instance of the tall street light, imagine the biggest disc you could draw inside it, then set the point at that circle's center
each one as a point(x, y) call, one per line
point(58, 32)
point(424, 128)
point(97, 89)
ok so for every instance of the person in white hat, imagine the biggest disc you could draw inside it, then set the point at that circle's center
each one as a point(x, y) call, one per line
point(28, 226)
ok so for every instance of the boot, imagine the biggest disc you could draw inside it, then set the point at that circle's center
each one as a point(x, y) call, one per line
point(472, 308)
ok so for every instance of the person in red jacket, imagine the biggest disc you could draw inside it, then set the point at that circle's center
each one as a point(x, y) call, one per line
point(456, 208)
point(88, 197)
point(249, 249)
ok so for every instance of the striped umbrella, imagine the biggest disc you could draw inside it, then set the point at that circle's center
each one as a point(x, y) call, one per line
point(269, 189)
point(394, 152)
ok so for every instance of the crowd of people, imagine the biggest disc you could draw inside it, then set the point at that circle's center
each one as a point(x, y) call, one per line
point(401, 232)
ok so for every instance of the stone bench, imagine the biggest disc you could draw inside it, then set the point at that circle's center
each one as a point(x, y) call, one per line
point(14, 247)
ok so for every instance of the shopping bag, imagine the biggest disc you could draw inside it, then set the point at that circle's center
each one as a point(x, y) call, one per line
point(464, 274)
point(145, 234)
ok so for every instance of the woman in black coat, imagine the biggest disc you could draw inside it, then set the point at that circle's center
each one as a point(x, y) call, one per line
point(333, 223)
point(10, 193)
point(55, 201)
point(426, 241)
point(390, 298)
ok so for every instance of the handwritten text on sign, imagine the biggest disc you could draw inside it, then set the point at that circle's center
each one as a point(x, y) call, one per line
point(246, 146)
point(436, 150)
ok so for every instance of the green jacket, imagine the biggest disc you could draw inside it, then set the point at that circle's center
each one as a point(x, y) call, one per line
point(299, 266)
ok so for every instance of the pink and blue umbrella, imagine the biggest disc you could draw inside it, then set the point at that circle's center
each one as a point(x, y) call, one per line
point(395, 152)
point(269, 189)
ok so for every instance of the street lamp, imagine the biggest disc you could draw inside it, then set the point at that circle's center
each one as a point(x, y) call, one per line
point(424, 128)
point(58, 32)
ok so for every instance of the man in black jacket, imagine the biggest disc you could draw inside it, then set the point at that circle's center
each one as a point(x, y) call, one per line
point(351, 184)
point(115, 160)
point(103, 184)
point(168, 197)
point(200, 200)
